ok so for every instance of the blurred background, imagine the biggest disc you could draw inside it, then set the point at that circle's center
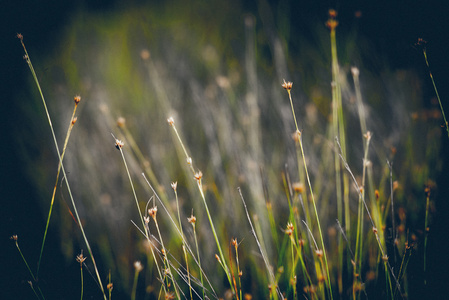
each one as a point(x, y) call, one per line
point(214, 66)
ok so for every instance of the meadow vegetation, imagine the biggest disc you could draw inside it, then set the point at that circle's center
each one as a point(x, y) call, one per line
point(209, 160)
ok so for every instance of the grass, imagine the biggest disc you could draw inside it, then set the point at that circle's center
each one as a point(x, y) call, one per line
point(286, 193)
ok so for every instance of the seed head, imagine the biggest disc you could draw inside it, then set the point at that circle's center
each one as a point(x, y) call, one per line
point(355, 71)
point(121, 122)
point(287, 85)
point(290, 229)
point(192, 219)
point(145, 54)
point(118, 144)
point(152, 212)
point(138, 266)
point(198, 175)
point(14, 237)
point(20, 36)
point(298, 187)
point(174, 185)
point(77, 99)
point(80, 258)
point(74, 120)
point(171, 121)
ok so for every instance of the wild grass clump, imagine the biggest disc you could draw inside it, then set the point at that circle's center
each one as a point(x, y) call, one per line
point(223, 179)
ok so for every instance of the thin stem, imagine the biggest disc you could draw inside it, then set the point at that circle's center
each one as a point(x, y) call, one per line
point(30, 65)
point(436, 91)
point(72, 123)
point(328, 282)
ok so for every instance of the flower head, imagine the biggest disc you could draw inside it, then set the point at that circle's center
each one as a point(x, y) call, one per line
point(287, 85)
point(118, 144)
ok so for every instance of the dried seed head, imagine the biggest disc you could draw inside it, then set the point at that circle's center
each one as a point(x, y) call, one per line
point(385, 258)
point(121, 122)
point(321, 279)
point(171, 121)
point(198, 175)
point(234, 242)
point(14, 237)
point(20, 36)
point(319, 253)
point(152, 212)
point(296, 136)
point(118, 144)
point(77, 99)
point(368, 135)
point(74, 120)
point(217, 258)
point(138, 266)
point(80, 258)
point(332, 23)
point(375, 230)
point(298, 187)
point(287, 85)
point(355, 71)
point(395, 185)
point(421, 43)
point(293, 281)
point(110, 286)
point(290, 229)
point(145, 54)
point(174, 185)
point(192, 219)
point(146, 219)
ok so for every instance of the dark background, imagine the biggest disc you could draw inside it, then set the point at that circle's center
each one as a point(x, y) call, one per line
point(392, 26)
